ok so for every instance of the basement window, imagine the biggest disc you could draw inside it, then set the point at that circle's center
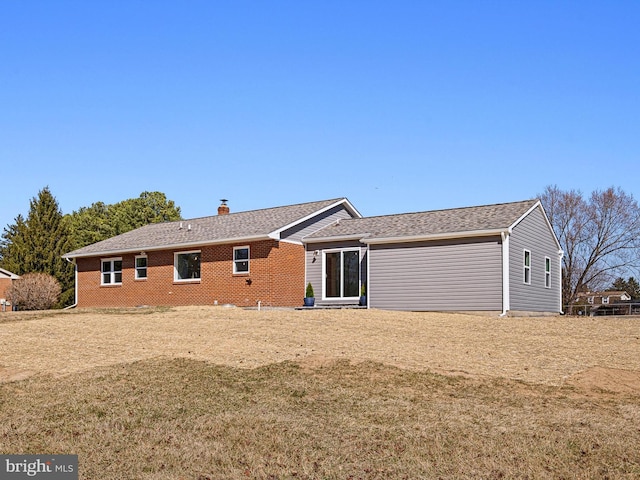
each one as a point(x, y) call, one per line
point(111, 271)
point(186, 266)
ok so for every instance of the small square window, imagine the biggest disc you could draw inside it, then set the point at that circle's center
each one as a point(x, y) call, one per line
point(111, 271)
point(187, 266)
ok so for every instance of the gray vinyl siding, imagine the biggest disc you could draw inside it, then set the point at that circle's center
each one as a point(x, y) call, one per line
point(298, 232)
point(315, 275)
point(533, 234)
point(461, 275)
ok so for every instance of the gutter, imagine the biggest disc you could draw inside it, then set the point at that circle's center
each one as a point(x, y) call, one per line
point(337, 238)
point(138, 249)
point(437, 236)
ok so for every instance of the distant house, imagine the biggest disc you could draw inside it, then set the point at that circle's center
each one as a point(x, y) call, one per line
point(602, 298)
point(6, 279)
point(496, 258)
point(236, 258)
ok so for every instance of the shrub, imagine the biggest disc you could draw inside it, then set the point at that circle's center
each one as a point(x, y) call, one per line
point(309, 291)
point(34, 291)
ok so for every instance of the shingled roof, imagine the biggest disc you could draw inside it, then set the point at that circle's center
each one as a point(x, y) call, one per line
point(451, 223)
point(242, 226)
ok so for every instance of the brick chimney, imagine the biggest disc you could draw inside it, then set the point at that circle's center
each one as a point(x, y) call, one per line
point(223, 209)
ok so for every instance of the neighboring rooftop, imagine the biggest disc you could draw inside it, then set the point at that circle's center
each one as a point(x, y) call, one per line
point(486, 218)
point(249, 225)
point(7, 274)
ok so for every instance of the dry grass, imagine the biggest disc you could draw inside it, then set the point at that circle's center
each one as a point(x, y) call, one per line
point(223, 393)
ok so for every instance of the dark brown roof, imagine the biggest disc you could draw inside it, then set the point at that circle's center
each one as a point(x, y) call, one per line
point(199, 231)
point(432, 223)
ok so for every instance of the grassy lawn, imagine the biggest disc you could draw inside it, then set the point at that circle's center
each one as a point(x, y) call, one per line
point(209, 393)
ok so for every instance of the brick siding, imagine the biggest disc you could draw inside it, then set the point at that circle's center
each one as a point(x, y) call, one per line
point(276, 278)
point(4, 284)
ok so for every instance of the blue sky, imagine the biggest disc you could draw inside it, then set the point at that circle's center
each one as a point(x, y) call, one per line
point(398, 105)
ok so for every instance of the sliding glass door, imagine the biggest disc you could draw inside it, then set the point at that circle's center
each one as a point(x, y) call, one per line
point(342, 274)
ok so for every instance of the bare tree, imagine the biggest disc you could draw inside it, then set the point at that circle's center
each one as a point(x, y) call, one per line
point(600, 236)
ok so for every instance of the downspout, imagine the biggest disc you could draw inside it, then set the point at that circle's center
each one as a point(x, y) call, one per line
point(560, 255)
point(505, 273)
point(75, 286)
point(368, 274)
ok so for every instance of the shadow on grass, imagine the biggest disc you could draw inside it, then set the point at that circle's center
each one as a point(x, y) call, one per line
point(179, 418)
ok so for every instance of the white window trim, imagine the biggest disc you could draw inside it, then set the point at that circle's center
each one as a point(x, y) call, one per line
point(324, 273)
point(175, 267)
point(547, 272)
point(112, 272)
point(605, 300)
point(248, 260)
point(135, 267)
point(526, 268)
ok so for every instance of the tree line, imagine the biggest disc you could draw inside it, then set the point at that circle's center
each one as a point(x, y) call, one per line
point(35, 244)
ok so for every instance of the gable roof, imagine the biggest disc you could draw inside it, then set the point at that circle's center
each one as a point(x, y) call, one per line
point(437, 224)
point(7, 274)
point(235, 227)
point(605, 293)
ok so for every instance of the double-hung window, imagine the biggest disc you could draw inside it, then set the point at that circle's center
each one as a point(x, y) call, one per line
point(186, 266)
point(240, 259)
point(527, 267)
point(547, 272)
point(141, 267)
point(342, 274)
point(111, 271)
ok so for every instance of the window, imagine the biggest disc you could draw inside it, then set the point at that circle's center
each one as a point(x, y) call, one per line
point(141, 267)
point(527, 267)
point(111, 271)
point(605, 300)
point(590, 300)
point(240, 259)
point(342, 274)
point(547, 272)
point(187, 266)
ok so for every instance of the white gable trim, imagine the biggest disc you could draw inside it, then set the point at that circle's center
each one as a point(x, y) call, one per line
point(8, 274)
point(276, 233)
point(546, 219)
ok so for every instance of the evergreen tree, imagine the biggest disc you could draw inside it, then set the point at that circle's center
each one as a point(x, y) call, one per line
point(36, 245)
point(49, 238)
point(630, 286)
point(634, 288)
point(13, 246)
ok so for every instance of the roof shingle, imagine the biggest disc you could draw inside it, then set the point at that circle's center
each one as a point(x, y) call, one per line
point(430, 223)
point(219, 228)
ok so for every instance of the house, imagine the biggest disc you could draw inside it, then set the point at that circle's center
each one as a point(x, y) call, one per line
point(6, 279)
point(602, 298)
point(494, 258)
point(236, 258)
